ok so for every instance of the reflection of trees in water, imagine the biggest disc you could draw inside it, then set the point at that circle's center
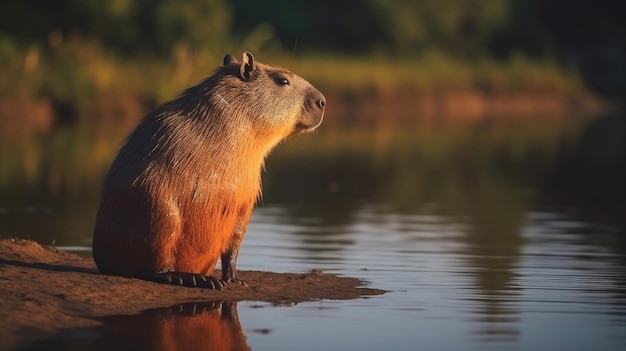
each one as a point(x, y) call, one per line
point(484, 174)
point(331, 189)
point(47, 219)
point(493, 248)
point(588, 183)
point(592, 174)
point(332, 174)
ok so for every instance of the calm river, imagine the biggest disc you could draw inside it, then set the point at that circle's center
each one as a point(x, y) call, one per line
point(488, 236)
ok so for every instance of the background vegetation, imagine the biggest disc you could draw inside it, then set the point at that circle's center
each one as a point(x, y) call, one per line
point(67, 56)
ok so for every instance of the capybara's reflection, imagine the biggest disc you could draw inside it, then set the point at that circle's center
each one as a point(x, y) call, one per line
point(191, 326)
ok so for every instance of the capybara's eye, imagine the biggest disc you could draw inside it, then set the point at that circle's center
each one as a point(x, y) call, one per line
point(281, 81)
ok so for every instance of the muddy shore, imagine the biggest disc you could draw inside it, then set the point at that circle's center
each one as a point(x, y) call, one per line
point(45, 290)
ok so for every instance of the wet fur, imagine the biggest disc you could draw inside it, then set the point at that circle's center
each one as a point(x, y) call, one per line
point(180, 193)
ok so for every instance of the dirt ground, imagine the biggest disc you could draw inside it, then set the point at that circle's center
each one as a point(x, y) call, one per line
point(44, 291)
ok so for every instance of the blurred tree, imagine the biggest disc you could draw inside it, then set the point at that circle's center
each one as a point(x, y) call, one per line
point(463, 27)
point(199, 24)
point(585, 34)
point(348, 26)
point(123, 26)
point(591, 36)
point(460, 27)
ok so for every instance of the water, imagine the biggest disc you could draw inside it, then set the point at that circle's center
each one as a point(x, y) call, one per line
point(485, 241)
point(557, 293)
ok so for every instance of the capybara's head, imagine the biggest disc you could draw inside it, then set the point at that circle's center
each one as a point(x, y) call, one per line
point(273, 103)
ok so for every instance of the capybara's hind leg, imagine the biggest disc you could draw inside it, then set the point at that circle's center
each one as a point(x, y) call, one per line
point(193, 280)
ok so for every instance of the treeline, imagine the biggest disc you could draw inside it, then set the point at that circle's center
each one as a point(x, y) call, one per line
point(586, 35)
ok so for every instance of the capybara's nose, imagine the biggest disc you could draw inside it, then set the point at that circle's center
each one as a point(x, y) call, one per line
point(317, 99)
point(321, 103)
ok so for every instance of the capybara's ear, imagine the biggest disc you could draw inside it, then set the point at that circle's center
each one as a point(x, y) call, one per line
point(228, 59)
point(247, 66)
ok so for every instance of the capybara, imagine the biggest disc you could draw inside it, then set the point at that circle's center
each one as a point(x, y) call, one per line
point(180, 192)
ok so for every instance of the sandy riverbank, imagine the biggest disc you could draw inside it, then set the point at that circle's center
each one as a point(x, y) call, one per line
point(45, 290)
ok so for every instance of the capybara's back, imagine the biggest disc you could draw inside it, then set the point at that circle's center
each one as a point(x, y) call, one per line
point(181, 190)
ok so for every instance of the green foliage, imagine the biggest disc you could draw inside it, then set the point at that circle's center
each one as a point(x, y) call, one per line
point(460, 27)
point(463, 28)
point(126, 27)
point(434, 72)
point(74, 48)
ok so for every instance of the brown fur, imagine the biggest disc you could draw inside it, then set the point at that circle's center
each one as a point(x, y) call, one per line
point(180, 193)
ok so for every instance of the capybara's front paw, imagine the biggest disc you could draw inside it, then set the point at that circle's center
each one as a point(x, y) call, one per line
point(234, 281)
point(193, 280)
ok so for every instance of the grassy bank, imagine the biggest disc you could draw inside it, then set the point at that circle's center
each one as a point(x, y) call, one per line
point(76, 80)
point(435, 73)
